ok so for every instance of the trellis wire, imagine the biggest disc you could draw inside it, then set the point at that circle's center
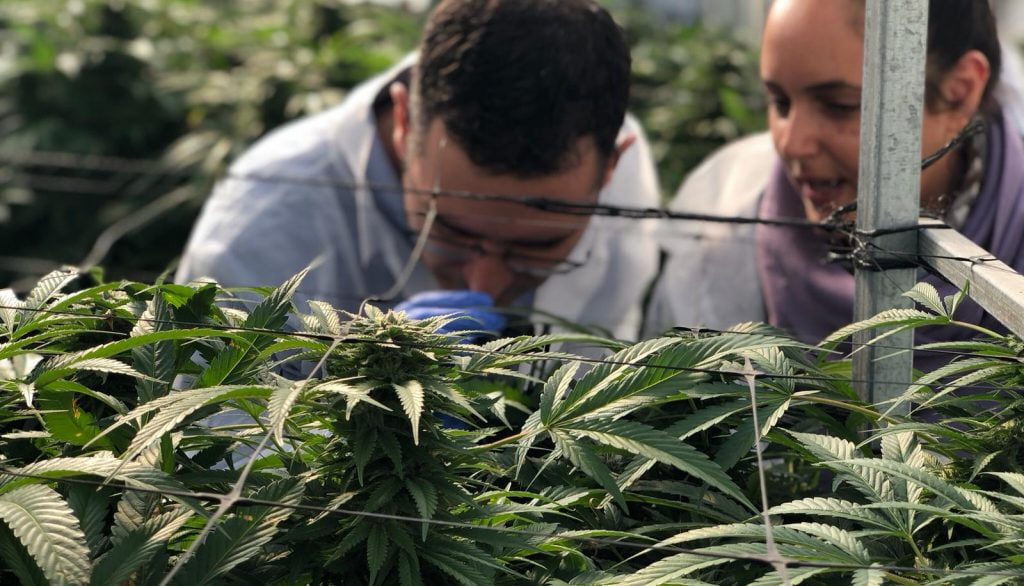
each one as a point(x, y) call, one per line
point(541, 203)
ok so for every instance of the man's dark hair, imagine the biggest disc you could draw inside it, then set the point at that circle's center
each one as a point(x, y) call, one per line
point(518, 82)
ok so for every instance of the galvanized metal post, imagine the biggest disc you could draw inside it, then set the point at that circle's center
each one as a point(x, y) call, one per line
point(889, 184)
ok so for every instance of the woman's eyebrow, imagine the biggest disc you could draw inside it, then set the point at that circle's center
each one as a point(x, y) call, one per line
point(834, 85)
point(821, 87)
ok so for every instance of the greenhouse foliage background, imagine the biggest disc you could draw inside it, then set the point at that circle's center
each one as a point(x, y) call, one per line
point(638, 469)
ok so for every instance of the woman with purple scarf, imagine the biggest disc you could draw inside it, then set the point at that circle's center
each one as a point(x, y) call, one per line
point(806, 167)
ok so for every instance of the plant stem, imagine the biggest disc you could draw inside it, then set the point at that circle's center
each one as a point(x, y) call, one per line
point(977, 328)
point(900, 579)
point(862, 410)
point(499, 443)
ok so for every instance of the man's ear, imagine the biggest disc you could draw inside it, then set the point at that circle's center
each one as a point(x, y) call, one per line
point(399, 118)
point(621, 147)
point(963, 87)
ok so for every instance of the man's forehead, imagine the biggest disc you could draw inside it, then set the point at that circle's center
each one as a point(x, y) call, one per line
point(578, 181)
point(507, 224)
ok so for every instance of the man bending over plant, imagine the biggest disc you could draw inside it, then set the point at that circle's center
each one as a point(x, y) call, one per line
point(520, 98)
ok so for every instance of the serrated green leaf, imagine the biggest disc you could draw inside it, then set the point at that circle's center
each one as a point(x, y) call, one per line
point(512, 351)
point(923, 385)
point(897, 318)
point(555, 388)
point(454, 395)
point(833, 507)
point(18, 561)
point(355, 535)
point(103, 465)
point(9, 305)
point(107, 365)
point(953, 301)
point(280, 404)
point(376, 550)
point(62, 365)
point(926, 295)
point(959, 497)
point(425, 496)
point(155, 360)
point(241, 537)
point(838, 454)
point(91, 506)
point(411, 396)
point(354, 394)
point(979, 376)
point(463, 573)
point(326, 318)
point(646, 441)
point(393, 450)
point(47, 287)
point(231, 365)
point(1014, 480)
point(174, 408)
point(671, 570)
point(272, 312)
point(137, 547)
point(584, 458)
point(363, 442)
point(737, 445)
point(839, 538)
point(792, 577)
point(607, 372)
point(868, 577)
point(409, 570)
point(48, 529)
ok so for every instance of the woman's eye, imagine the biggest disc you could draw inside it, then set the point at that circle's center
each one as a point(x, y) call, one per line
point(780, 105)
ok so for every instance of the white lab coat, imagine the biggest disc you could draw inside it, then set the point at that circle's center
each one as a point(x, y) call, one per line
point(312, 190)
point(710, 276)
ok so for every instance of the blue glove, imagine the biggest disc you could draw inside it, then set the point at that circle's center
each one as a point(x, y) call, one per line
point(474, 305)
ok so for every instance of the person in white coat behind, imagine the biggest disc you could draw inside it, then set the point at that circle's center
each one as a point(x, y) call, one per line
point(806, 168)
point(524, 98)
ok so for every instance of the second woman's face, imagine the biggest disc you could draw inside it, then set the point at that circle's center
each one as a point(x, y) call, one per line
point(811, 67)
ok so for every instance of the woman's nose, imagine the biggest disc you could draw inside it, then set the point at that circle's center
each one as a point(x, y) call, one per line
point(797, 136)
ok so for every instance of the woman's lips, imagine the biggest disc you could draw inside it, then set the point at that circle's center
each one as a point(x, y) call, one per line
point(822, 193)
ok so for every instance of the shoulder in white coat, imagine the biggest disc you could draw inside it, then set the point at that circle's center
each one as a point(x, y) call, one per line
point(710, 275)
point(622, 254)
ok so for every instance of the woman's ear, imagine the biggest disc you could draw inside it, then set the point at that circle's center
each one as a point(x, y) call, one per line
point(399, 118)
point(962, 88)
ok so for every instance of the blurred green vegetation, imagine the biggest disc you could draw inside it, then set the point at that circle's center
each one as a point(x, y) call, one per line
point(188, 84)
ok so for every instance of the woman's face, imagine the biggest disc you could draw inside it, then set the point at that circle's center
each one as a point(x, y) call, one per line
point(811, 67)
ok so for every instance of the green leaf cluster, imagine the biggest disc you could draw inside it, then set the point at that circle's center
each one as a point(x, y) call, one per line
point(412, 458)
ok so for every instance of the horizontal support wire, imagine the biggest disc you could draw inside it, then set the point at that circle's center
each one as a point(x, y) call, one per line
point(556, 206)
point(247, 502)
point(463, 348)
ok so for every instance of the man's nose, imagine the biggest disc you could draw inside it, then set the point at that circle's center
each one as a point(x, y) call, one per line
point(798, 135)
point(489, 274)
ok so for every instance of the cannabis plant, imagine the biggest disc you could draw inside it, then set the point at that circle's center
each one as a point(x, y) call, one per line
point(188, 434)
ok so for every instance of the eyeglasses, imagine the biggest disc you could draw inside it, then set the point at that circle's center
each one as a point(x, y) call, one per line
point(458, 249)
point(530, 265)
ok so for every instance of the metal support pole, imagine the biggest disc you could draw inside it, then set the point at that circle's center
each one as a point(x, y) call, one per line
point(890, 177)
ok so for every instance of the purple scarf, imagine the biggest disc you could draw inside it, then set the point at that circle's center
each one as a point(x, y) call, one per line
point(811, 298)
